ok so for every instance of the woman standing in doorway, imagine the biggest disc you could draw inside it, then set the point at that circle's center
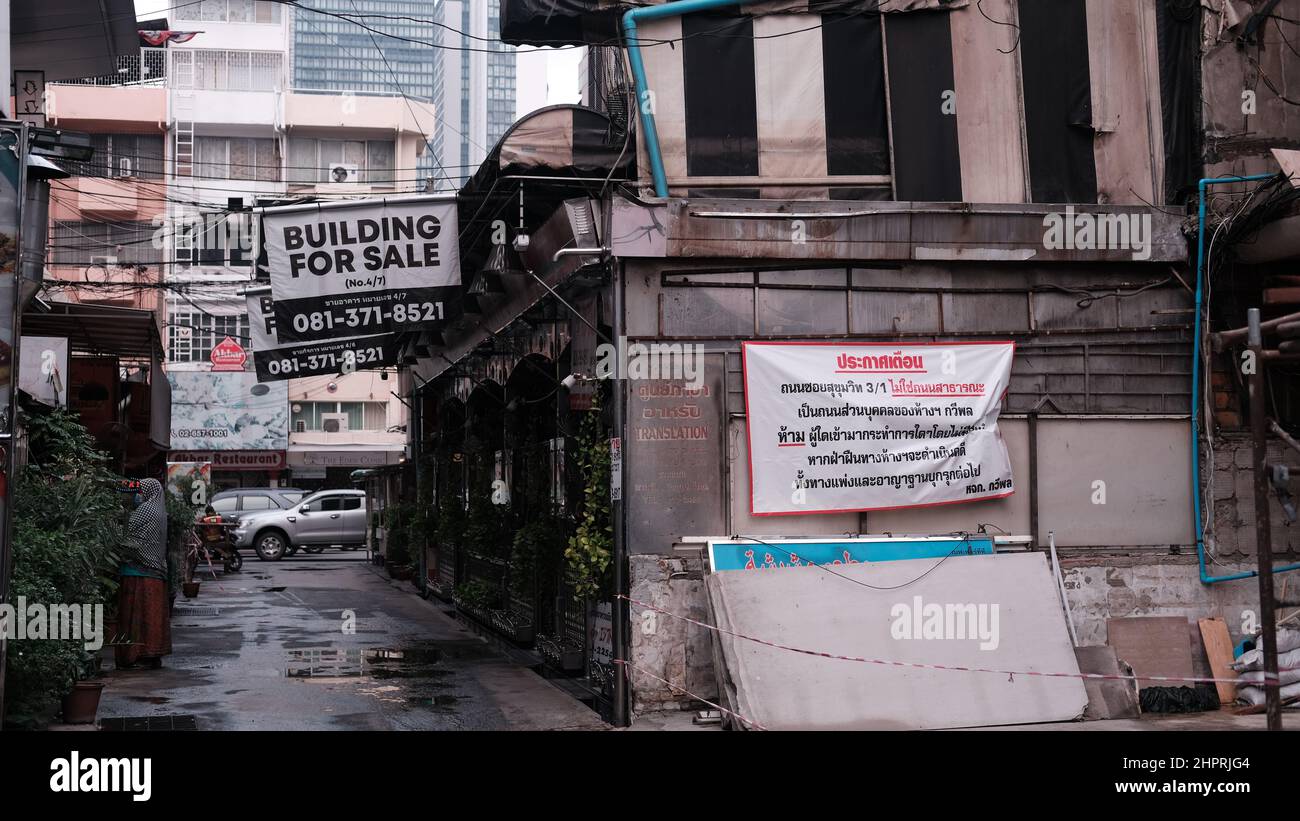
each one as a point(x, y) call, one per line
point(142, 603)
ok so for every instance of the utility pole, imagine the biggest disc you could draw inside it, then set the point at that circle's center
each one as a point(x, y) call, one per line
point(623, 673)
point(1263, 535)
point(14, 144)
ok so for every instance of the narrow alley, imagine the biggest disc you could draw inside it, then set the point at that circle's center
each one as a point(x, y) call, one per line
point(271, 648)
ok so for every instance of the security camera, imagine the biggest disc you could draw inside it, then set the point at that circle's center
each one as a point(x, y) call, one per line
point(520, 243)
point(569, 381)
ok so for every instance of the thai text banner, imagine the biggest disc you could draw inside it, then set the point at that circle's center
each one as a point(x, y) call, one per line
point(848, 426)
point(274, 361)
point(377, 267)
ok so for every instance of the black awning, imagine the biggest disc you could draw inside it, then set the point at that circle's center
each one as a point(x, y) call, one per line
point(570, 149)
point(128, 333)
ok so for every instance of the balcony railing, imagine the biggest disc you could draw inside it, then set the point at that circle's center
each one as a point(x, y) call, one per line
point(149, 67)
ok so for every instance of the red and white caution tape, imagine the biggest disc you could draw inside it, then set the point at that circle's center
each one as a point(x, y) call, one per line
point(924, 666)
point(630, 666)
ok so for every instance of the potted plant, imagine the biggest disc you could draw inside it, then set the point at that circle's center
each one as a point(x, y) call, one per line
point(397, 542)
point(68, 521)
point(81, 703)
point(190, 589)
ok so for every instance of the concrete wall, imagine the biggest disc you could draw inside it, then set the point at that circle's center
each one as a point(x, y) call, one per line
point(1100, 588)
point(1245, 118)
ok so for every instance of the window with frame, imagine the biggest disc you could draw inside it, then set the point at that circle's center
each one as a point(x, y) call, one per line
point(122, 155)
point(237, 158)
point(192, 334)
point(230, 70)
point(227, 11)
point(102, 243)
point(216, 239)
point(310, 159)
point(309, 416)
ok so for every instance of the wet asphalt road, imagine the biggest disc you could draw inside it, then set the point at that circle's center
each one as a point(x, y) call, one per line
point(267, 648)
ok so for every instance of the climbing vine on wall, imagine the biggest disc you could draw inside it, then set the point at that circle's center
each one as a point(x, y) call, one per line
point(591, 547)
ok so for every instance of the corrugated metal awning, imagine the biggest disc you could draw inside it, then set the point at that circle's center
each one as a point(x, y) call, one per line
point(129, 333)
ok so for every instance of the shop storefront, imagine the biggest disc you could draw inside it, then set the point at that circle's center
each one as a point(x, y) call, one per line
point(230, 420)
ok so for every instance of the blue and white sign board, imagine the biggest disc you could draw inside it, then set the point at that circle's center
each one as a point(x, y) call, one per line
point(770, 554)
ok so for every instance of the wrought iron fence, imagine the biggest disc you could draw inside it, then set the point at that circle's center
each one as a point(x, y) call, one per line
point(149, 67)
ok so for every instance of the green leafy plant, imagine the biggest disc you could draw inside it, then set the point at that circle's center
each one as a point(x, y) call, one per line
point(591, 547)
point(397, 543)
point(537, 548)
point(450, 529)
point(67, 531)
point(486, 529)
point(476, 595)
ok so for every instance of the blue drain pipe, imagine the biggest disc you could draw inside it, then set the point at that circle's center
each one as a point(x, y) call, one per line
point(1196, 379)
point(647, 115)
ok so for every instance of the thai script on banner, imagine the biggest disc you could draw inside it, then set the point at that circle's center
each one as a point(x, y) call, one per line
point(848, 426)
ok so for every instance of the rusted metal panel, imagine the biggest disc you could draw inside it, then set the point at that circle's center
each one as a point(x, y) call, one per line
point(882, 313)
point(755, 229)
point(675, 445)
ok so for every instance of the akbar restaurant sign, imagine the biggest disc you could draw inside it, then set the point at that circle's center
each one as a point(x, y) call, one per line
point(362, 268)
point(845, 426)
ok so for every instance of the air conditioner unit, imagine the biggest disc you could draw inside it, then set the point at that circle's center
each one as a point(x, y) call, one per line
point(124, 167)
point(183, 331)
point(344, 172)
point(334, 422)
point(109, 261)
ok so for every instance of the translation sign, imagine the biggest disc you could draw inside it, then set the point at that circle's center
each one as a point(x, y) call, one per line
point(362, 268)
point(848, 426)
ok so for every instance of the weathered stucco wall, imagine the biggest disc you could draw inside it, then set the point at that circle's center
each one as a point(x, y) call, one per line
point(1098, 587)
point(1105, 587)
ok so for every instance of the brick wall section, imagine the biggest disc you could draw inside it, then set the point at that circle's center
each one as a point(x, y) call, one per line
point(1232, 532)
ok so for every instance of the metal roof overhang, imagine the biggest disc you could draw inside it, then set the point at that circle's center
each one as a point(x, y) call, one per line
point(68, 39)
point(98, 330)
point(553, 162)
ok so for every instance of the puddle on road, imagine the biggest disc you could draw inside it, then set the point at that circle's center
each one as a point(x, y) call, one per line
point(438, 702)
point(150, 699)
point(374, 662)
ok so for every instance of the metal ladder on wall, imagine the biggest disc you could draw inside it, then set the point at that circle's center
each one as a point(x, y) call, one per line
point(180, 85)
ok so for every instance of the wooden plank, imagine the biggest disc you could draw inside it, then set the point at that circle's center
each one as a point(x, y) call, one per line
point(1153, 646)
point(1218, 651)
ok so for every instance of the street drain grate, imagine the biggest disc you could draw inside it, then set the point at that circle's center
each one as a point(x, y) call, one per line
point(136, 723)
point(197, 611)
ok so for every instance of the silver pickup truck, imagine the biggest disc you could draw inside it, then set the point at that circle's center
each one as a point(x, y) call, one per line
point(323, 519)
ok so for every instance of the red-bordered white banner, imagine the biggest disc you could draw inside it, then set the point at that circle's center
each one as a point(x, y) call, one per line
point(848, 426)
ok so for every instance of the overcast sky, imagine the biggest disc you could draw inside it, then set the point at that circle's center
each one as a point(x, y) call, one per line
point(544, 76)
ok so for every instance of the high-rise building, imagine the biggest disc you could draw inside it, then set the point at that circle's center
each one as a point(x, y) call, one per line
point(474, 85)
point(449, 54)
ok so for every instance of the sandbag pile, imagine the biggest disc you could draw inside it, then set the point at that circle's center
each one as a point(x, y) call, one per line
point(1250, 669)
